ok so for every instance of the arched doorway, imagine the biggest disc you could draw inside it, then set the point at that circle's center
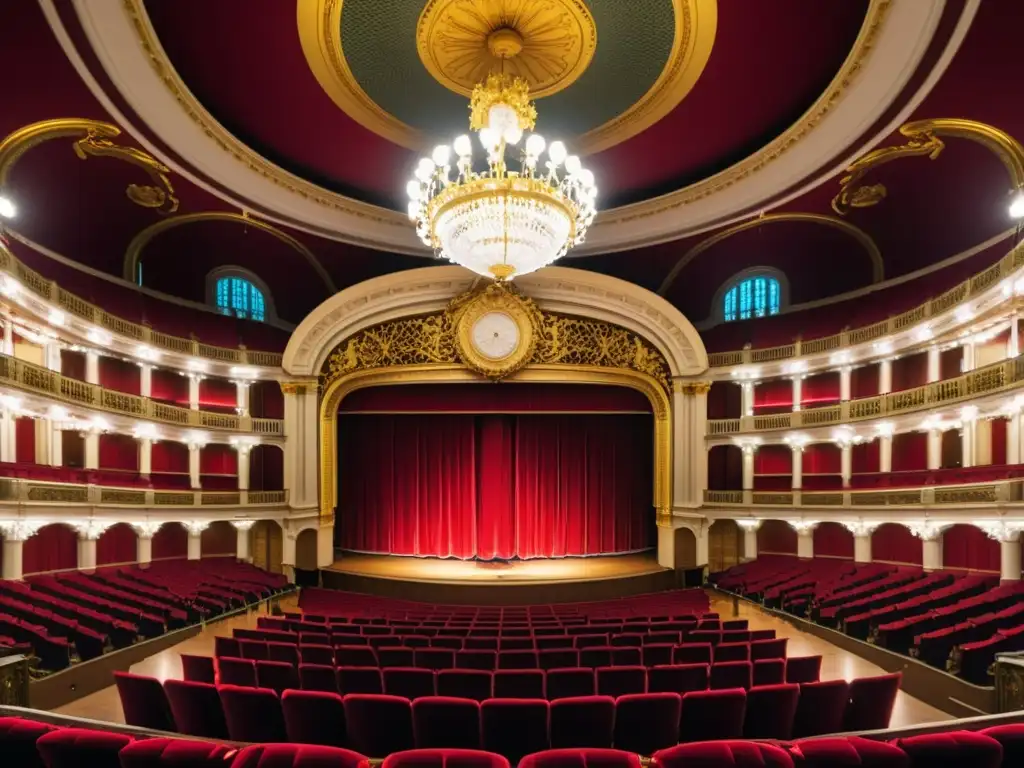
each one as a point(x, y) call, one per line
point(685, 544)
point(725, 545)
point(267, 545)
point(307, 574)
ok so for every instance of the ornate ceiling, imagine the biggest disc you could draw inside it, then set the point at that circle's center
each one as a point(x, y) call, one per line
point(718, 130)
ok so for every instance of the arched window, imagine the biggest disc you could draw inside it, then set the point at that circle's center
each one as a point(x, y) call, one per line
point(239, 293)
point(751, 295)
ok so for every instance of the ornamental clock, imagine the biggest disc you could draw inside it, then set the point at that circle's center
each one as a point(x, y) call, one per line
point(496, 331)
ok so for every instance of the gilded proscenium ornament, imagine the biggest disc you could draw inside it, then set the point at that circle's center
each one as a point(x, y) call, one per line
point(924, 141)
point(95, 138)
point(547, 43)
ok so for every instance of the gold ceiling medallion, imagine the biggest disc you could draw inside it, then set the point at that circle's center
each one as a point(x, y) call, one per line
point(547, 43)
point(96, 140)
point(141, 240)
point(858, 234)
point(925, 142)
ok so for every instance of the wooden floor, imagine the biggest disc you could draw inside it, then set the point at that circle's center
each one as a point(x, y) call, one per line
point(836, 663)
point(547, 570)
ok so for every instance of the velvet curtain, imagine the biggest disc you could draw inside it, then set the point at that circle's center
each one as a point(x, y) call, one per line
point(495, 485)
point(54, 547)
point(117, 545)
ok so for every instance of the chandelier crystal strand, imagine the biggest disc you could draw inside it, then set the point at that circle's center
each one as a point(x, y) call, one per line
point(501, 223)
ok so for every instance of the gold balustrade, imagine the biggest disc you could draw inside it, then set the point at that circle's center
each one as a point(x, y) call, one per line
point(999, 492)
point(18, 491)
point(50, 291)
point(973, 286)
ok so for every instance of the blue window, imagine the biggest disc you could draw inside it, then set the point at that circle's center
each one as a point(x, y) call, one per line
point(238, 297)
point(752, 297)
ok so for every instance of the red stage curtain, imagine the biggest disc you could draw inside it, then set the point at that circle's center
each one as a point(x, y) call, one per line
point(909, 372)
point(773, 396)
point(864, 457)
point(170, 541)
point(894, 543)
point(776, 537)
point(833, 540)
point(822, 459)
point(219, 539)
point(999, 441)
point(120, 375)
point(725, 400)
point(492, 486)
point(119, 452)
point(773, 460)
point(117, 545)
point(218, 395)
point(725, 468)
point(266, 400)
point(54, 547)
point(909, 451)
point(965, 546)
point(169, 387)
point(820, 389)
point(496, 398)
point(864, 381)
point(25, 440)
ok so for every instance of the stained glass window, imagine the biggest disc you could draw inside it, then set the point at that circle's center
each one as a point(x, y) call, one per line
point(752, 297)
point(238, 297)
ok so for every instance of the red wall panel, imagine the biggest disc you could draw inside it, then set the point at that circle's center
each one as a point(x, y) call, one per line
point(218, 459)
point(773, 460)
point(999, 441)
point(220, 538)
point(266, 468)
point(910, 371)
point(169, 387)
point(120, 375)
point(865, 457)
point(53, 548)
point(72, 364)
point(820, 389)
point(170, 456)
point(833, 540)
point(864, 381)
point(218, 395)
point(909, 451)
point(725, 468)
point(170, 541)
point(822, 459)
point(117, 545)
point(72, 449)
point(776, 537)
point(25, 440)
point(773, 396)
point(725, 400)
point(894, 543)
point(949, 362)
point(266, 400)
point(965, 546)
point(119, 452)
point(952, 453)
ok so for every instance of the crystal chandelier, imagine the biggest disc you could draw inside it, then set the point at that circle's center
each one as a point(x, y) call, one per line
point(502, 223)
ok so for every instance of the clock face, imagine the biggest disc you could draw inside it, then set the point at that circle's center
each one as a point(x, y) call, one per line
point(495, 335)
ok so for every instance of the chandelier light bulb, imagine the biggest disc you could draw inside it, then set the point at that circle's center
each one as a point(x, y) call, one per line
point(535, 145)
point(413, 188)
point(513, 135)
point(557, 152)
point(1016, 207)
point(441, 154)
point(426, 167)
point(586, 177)
point(414, 209)
point(463, 146)
point(7, 208)
point(488, 139)
point(573, 165)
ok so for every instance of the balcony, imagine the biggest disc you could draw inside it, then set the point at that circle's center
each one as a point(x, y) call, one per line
point(996, 493)
point(21, 493)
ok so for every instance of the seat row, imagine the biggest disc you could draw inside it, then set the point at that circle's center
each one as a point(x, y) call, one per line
point(377, 724)
point(550, 658)
point(374, 625)
point(411, 682)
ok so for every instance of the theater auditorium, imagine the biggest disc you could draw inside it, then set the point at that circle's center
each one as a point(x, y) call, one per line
point(497, 383)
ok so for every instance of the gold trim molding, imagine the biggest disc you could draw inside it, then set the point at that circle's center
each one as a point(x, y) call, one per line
point(924, 141)
point(95, 139)
point(858, 234)
point(141, 240)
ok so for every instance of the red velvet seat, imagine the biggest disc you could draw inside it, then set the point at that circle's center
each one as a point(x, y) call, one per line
point(769, 672)
point(581, 758)
point(771, 711)
point(678, 678)
point(517, 660)
point(451, 643)
point(477, 659)
point(585, 721)
point(871, 702)
point(196, 709)
point(378, 725)
point(732, 652)
point(732, 674)
point(570, 682)
point(1012, 738)
point(821, 708)
point(298, 756)
point(80, 747)
point(314, 638)
point(712, 715)
point(692, 653)
point(803, 669)
point(444, 758)
point(198, 669)
point(253, 649)
point(231, 671)
point(654, 655)
point(555, 642)
point(480, 644)
point(952, 750)
point(558, 658)
point(361, 680)
point(319, 677)
point(355, 656)
point(596, 656)
point(288, 652)
point(18, 741)
point(314, 717)
point(252, 714)
point(850, 752)
point(619, 681)
point(278, 676)
point(723, 754)
point(435, 658)
point(396, 656)
point(446, 722)
point(410, 682)
point(647, 722)
point(144, 702)
point(465, 683)
point(514, 728)
point(768, 649)
point(174, 753)
point(318, 654)
point(590, 641)
point(515, 644)
point(519, 684)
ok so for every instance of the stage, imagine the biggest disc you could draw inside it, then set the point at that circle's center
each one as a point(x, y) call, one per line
point(541, 580)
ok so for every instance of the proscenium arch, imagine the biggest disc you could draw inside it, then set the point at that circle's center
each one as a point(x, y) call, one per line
point(141, 240)
point(858, 234)
point(457, 374)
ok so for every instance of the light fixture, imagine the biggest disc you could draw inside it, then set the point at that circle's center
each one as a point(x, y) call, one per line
point(58, 413)
point(147, 353)
point(883, 347)
point(102, 338)
point(10, 403)
point(195, 437)
point(146, 431)
point(7, 208)
point(56, 317)
point(923, 333)
point(963, 314)
point(9, 287)
point(197, 365)
point(1017, 206)
point(244, 373)
point(99, 424)
point(885, 429)
point(502, 223)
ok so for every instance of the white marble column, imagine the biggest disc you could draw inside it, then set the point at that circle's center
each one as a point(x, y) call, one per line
point(242, 397)
point(8, 338)
point(749, 528)
point(1013, 436)
point(51, 355)
point(195, 530)
point(194, 478)
point(92, 449)
point(804, 539)
point(15, 533)
point(968, 442)
point(301, 452)
point(193, 390)
point(747, 398)
point(145, 456)
point(242, 549)
point(690, 453)
point(244, 450)
point(861, 540)
point(144, 541)
point(798, 389)
point(749, 450)
point(885, 453)
point(934, 365)
point(846, 462)
point(884, 377)
point(969, 356)
point(44, 434)
point(88, 533)
point(92, 367)
point(8, 434)
point(934, 449)
point(798, 466)
point(1009, 558)
point(56, 446)
point(931, 544)
point(146, 380)
point(844, 383)
point(288, 553)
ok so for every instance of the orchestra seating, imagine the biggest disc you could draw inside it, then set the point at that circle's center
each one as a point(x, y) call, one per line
point(951, 620)
point(32, 744)
point(75, 616)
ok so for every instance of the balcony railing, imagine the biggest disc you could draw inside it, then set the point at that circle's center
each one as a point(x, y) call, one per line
point(53, 293)
point(978, 284)
point(928, 496)
point(17, 491)
point(34, 378)
point(997, 377)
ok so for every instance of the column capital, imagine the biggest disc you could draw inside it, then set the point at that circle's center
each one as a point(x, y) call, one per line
point(195, 527)
point(300, 387)
point(19, 530)
point(243, 525)
point(1002, 530)
point(749, 524)
point(90, 530)
point(146, 530)
point(926, 530)
point(859, 528)
point(803, 527)
point(690, 387)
